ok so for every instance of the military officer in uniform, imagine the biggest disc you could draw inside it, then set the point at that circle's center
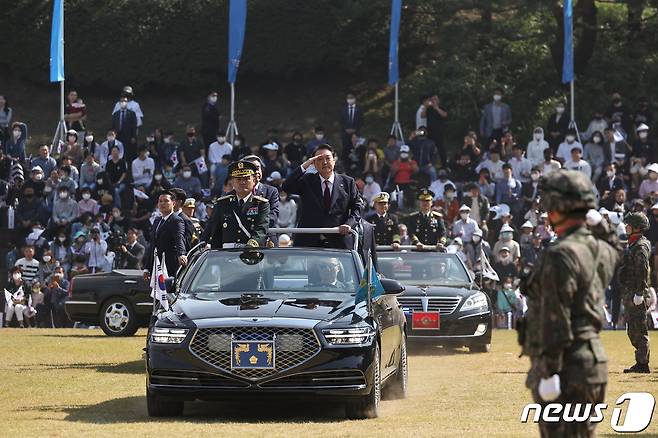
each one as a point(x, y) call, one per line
point(565, 293)
point(386, 225)
point(426, 226)
point(239, 218)
point(634, 284)
point(189, 209)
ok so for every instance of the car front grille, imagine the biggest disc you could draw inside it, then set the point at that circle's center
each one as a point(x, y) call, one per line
point(293, 346)
point(443, 305)
point(195, 379)
point(333, 379)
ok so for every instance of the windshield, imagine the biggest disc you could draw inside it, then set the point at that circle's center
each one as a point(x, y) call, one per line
point(422, 268)
point(276, 270)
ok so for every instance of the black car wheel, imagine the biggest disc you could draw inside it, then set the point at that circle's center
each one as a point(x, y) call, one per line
point(479, 348)
point(161, 407)
point(367, 406)
point(117, 318)
point(397, 388)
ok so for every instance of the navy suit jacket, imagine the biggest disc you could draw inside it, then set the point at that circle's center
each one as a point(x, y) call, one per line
point(271, 194)
point(357, 121)
point(129, 128)
point(346, 205)
point(169, 240)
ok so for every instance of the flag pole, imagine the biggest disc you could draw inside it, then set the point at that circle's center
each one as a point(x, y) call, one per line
point(232, 129)
point(396, 129)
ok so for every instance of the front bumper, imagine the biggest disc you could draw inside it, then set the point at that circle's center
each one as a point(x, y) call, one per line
point(333, 372)
point(455, 329)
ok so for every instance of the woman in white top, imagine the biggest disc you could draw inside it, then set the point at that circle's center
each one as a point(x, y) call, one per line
point(536, 146)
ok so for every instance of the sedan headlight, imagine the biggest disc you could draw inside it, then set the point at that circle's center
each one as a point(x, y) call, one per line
point(161, 335)
point(476, 301)
point(349, 336)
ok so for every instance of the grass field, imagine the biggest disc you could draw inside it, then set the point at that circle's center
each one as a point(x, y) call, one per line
point(80, 383)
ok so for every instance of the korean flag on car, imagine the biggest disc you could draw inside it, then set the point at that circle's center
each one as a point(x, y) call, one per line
point(158, 286)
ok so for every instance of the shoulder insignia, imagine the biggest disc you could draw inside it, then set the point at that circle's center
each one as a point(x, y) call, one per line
point(415, 213)
point(260, 198)
point(436, 213)
point(225, 197)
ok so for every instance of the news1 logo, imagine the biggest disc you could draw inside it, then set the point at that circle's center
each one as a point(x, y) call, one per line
point(639, 411)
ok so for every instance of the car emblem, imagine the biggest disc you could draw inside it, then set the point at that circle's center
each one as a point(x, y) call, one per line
point(423, 289)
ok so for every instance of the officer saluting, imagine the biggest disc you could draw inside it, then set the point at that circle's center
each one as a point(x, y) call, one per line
point(426, 226)
point(386, 225)
point(239, 218)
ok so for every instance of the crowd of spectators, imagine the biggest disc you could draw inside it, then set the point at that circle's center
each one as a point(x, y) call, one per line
point(87, 204)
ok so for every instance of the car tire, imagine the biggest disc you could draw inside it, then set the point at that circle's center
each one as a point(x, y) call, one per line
point(161, 407)
point(397, 388)
point(367, 406)
point(118, 318)
point(479, 348)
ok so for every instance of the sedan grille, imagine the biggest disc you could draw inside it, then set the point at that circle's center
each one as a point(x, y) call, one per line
point(293, 346)
point(334, 379)
point(443, 305)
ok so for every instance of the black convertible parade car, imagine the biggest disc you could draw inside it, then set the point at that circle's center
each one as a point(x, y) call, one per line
point(442, 303)
point(272, 322)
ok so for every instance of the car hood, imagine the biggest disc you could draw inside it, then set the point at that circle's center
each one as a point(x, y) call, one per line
point(412, 290)
point(324, 307)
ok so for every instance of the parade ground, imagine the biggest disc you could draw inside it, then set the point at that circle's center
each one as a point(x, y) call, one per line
point(69, 383)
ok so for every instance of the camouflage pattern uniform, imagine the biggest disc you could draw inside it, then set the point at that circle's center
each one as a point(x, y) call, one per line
point(634, 280)
point(565, 294)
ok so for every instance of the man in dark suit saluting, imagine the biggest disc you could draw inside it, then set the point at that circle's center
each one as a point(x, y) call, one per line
point(167, 238)
point(328, 200)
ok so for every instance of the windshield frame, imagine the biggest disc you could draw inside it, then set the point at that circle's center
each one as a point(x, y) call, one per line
point(192, 271)
point(384, 255)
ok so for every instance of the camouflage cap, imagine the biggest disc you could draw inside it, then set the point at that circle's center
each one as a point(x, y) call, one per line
point(637, 220)
point(567, 191)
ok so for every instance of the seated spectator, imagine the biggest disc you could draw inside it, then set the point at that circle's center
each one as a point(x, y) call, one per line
point(464, 227)
point(506, 240)
point(47, 266)
point(65, 180)
point(29, 265)
point(485, 185)
point(143, 168)
point(72, 148)
point(317, 140)
point(595, 155)
point(521, 166)
point(56, 295)
point(575, 162)
point(598, 123)
point(438, 186)
point(30, 210)
point(493, 164)
point(103, 151)
point(287, 211)
point(61, 250)
point(549, 164)
point(89, 171)
point(39, 308)
point(508, 191)
point(86, 204)
point(217, 150)
point(36, 181)
point(478, 204)
point(374, 159)
point(15, 299)
point(273, 161)
point(504, 263)
point(564, 150)
point(463, 170)
point(185, 180)
point(44, 160)
point(14, 147)
point(65, 209)
point(403, 174)
point(371, 188)
point(116, 171)
point(536, 147)
point(650, 184)
point(448, 204)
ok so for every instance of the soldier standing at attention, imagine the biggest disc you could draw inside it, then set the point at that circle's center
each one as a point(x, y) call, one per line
point(634, 284)
point(565, 294)
point(386, 225)
point(426, 226)
point(239, 218)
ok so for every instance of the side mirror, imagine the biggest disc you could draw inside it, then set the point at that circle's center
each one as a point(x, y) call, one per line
point(170, 285)
point(392, 287)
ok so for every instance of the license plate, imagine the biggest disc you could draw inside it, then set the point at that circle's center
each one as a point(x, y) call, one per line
point(252, 355)
point(425, 320)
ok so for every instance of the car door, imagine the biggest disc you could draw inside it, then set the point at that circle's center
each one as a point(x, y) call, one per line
point(385, 313)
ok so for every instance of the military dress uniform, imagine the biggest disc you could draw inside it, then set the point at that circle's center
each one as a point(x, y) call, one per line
point(236, 222)
point(634, 281)
point(565, 293)
point(386, 226)
point(428, 229)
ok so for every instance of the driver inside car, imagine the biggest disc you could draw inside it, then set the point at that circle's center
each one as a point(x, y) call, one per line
point(327, 271)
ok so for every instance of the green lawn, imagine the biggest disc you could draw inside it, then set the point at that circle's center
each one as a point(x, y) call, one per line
point(70, 383)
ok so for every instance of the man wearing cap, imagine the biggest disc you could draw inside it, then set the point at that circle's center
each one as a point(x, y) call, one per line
point(265, 190)
point(328, 200)
point(634, 283)
point(239, 218)
point(426, 226)
point(386, 225)
point(189, 209)
point(565, 296)
point(649, 185)
point(464, 227)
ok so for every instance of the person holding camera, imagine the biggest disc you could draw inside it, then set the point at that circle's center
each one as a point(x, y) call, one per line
point(131, 252)
point(95, 250)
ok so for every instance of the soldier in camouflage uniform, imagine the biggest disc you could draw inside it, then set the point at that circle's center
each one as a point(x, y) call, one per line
point(634, 285)
point(426, 226)
point(386, 224)
point(565, 291)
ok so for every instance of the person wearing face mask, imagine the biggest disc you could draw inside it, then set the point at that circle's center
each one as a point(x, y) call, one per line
point(610, 183)
point(124, 123)
point(439, 185)
point(210, 118)
point(650, 184)
point(89, 144)
point(102, 152)
point(47, 266)
point(640, 154)
point(295, 151)
point(351, 119)
point(403, 172)
point(89, 172)
point(16, 303)
point(65, 209)
point(530, 190)
point(14, 147)
point(478, 204)
point(448, 204)
point(536, 147)
point(564, 150)
point(44, 160)
point(496, 118)
point(465, 226)
point(186, 181)
point(317, 140)
point(87, 204)
point(504, 265)
point(594, 154)
point(131, 104)
point(143, 168)
point(6, 114)
point(36, 181)
point(217, 150)
point(193, 153)
point(371, 188)
point(506, 239)
point(508, 191)
point(557, 125)
point(474, 250)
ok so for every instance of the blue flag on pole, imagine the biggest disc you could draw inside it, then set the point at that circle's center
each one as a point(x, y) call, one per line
point(375, 285)
point(57, 43)
point(567, 63)
point(236, 25)
point(396, 11)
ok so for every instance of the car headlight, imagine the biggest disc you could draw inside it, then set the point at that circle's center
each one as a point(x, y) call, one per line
point(476, 301)
point(349, 336)
point(161, 335)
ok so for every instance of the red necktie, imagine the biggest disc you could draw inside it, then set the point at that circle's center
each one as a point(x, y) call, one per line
point(327, 195)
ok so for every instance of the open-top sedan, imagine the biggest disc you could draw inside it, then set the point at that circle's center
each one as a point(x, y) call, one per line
point(272, 322)
point(442, 302)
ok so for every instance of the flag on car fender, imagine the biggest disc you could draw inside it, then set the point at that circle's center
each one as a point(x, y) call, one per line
point(158, 286)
